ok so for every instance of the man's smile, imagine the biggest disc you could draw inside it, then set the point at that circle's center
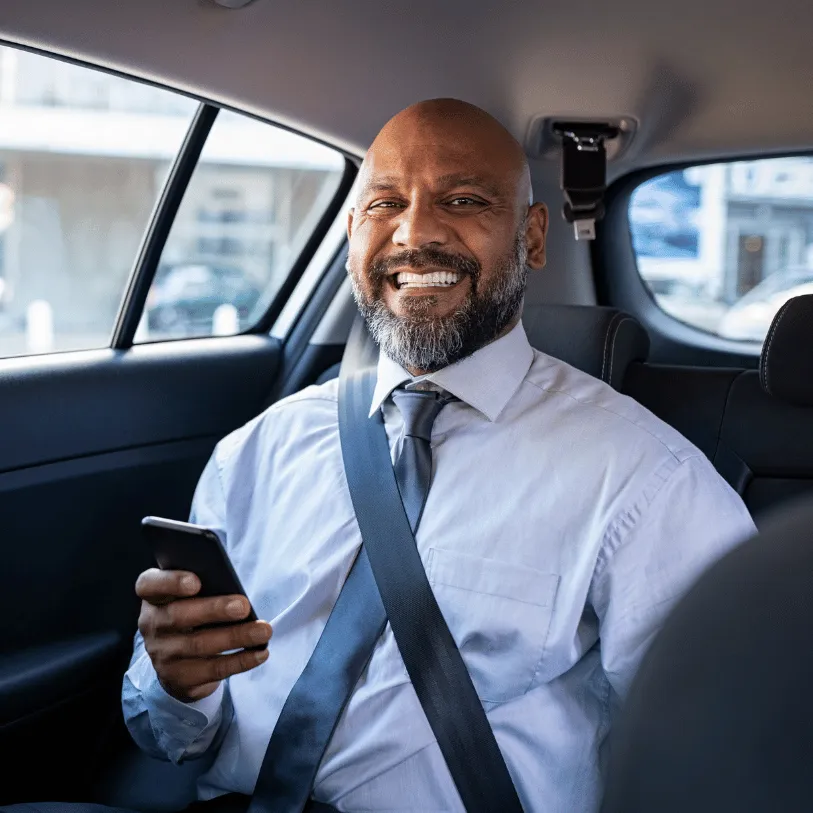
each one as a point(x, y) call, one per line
point(433, 279)
point(426, 281)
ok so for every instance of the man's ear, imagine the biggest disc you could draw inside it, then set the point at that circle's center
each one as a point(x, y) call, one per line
point(536, 232)
point(350, 217)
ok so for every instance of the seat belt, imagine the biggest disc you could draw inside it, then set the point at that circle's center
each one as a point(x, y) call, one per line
point(432, 659)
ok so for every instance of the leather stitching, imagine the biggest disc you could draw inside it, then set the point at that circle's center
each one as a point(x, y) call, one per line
point(612, 348)
point(763, 371)
point(611, 328)
point(719, 439)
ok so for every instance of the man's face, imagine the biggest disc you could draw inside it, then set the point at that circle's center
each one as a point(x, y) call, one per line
point(438, 246)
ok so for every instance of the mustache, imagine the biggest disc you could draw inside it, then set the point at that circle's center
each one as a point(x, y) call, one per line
point(425, 258)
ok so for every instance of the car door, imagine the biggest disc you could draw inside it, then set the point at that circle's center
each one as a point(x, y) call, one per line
point(114, 387)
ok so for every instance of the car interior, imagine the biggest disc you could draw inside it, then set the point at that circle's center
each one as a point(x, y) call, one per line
point(178, 136)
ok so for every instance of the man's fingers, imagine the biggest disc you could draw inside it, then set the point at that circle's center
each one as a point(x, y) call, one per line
point(199, 692)
point(185, 676)
point(161, 586)
point(208, 643)
point(197, 612)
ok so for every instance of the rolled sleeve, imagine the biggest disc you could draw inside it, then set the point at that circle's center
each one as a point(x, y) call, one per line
point(160, 724)
point(653, 552)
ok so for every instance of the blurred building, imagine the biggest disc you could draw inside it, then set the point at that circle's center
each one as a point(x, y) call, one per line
point(724, 228)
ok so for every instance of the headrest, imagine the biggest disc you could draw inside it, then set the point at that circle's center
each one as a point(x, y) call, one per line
point(602, 342)
point(786, 364)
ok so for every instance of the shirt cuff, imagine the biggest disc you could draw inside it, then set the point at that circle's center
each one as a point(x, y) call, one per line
point(190, 712)
point(180, 730)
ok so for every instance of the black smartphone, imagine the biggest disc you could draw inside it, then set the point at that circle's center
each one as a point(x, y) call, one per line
point(183, 546)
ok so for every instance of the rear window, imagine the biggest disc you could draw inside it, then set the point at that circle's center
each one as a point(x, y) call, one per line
point(723, 246)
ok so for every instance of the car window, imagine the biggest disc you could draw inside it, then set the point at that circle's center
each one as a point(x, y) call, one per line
point(255, 198)
point(724, 246)
point(83, 158)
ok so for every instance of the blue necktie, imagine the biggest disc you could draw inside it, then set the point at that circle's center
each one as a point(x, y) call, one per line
point(355, 624)
point(413, 466)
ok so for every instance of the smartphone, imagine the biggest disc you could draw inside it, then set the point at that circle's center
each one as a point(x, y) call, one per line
point(183, 546)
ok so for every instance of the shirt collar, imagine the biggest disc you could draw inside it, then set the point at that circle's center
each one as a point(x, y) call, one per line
point(485, 380)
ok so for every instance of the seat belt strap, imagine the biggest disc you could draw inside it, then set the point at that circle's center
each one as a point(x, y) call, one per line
point(432, 659)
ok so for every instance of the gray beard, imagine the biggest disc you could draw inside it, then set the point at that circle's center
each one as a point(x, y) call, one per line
point(417, 342)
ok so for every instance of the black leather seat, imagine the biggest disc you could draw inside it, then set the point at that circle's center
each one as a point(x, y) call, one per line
point(756, 426)
point(602, 342)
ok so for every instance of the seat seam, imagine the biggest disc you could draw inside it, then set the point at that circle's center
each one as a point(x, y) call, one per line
point(612, 348)
point(749, 471)
point(719, 437)
point(763, 372)
point(611, 328)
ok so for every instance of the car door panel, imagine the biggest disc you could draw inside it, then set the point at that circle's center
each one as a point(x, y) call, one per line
point(37, 678)
point(101, 401)
point(92, 442)
point(57, 714)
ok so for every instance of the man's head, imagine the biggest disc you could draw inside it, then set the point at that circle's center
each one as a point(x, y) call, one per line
point(442, 234)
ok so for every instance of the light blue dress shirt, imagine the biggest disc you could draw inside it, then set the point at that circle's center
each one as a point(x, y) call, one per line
point(563, 521)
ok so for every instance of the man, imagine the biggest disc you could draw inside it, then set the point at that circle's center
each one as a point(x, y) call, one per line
point(562, 521)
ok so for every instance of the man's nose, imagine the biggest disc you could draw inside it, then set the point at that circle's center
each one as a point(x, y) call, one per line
point(419, 226)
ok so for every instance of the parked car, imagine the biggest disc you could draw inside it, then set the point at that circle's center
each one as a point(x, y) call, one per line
point(750, 317)
point(184, 297)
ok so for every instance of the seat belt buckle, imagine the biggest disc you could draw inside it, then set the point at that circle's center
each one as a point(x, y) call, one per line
point(584, 173)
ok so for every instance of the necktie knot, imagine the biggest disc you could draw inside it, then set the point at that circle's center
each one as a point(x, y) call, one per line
point(419, 410)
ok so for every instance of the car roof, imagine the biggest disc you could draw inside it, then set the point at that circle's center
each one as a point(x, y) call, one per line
point(703, 78)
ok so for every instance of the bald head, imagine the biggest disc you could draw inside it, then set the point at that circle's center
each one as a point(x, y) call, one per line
point(444, 125)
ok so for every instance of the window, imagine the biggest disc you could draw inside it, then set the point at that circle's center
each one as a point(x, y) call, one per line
point(723, 246)
point(255, 198)
point(83, 157)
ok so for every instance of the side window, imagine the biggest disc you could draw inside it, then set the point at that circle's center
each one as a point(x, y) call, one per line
point(254, 199)
point(723, 246)
point(83, 158)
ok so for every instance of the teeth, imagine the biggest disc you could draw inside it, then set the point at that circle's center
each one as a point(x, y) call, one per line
point(437, 279)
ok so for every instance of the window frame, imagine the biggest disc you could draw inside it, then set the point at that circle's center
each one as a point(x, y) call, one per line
point(159, 225)
point(620, 284)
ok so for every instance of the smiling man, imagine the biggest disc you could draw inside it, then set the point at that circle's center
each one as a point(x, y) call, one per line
point(560, 523)
point(442, 234)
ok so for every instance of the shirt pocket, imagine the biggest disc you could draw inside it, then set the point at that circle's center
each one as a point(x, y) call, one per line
point(499, 614)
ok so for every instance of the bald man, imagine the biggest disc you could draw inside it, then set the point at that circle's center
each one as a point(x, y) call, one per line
point(562, 520)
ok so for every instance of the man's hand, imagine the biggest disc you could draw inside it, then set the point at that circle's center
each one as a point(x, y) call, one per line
point(188, 659)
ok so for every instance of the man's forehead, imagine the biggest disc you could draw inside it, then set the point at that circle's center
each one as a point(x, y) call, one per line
point(438, 165)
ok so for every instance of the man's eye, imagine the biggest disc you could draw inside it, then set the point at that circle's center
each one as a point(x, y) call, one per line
point(384, 204)
point(463, 200)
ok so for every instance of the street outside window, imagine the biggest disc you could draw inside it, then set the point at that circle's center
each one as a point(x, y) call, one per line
point(255, 198)
point(723, 246)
